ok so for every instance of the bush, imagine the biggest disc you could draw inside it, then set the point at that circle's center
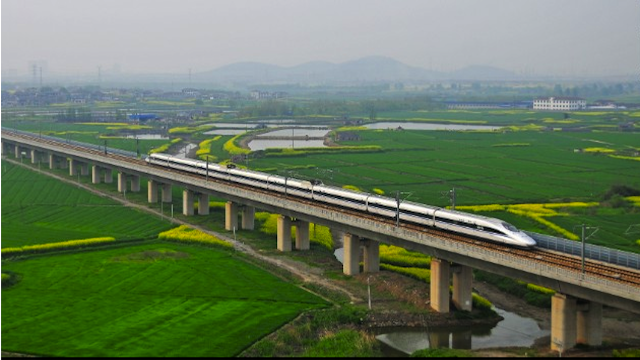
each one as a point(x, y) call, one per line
point(183, 233)
point(627, 353)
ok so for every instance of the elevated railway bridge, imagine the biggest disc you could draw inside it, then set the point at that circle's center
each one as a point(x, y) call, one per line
point(582, 285)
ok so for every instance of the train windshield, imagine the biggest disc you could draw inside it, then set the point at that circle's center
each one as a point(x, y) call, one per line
point(510, 227)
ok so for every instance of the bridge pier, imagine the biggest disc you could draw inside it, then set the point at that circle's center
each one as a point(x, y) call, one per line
point(302, 234)
point(284, 233)
point(574, 322)
point(203, 204)
point(122, 182)
point(95, 174)
point(108, 176)
point(351, 254)
point(73, 164)
point(439, 290)
point(166, 193)
point(152, 191)
point(248, 217)
point(135, 183)
point(230, 216)
point(187, 202)
point(462, 287)
point(35, 159)
point(589, 322)
point(17, 151)
point(53, 161)
point(371, 255)
point(84, 169)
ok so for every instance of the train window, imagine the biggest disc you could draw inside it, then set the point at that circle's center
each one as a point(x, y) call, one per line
point(510, 227)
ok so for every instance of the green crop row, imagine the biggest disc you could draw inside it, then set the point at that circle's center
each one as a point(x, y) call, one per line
point(416, 273)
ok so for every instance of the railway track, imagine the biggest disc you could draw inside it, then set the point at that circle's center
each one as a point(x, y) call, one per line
point(544, 256)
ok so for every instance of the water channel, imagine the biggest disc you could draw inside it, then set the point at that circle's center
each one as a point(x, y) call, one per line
point(513, 330)
point(428, 126)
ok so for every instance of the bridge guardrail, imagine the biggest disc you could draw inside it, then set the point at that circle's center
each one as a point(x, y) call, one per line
point(77, 143)
point(594, 252)
point(355, 222)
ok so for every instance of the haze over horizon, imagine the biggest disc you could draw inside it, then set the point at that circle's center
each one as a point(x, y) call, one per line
point(534, 37)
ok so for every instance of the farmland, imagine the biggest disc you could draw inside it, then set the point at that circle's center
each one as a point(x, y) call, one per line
point(488, 168)
point(38, 209)
point(152, 300)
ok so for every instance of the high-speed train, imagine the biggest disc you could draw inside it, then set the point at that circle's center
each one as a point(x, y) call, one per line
point(455, 221)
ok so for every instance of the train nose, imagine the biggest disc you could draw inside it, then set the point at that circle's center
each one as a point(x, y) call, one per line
point(527, 240)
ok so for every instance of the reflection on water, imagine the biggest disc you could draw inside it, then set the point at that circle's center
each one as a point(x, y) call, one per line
point(258, 144)
point(147, 137)
point(225, 132)
point(514, 330)
point(428, 126)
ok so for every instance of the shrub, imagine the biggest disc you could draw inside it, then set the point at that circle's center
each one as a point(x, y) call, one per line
point(184, 233)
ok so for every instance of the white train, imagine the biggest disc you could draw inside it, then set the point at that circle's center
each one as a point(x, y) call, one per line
point(473, 225)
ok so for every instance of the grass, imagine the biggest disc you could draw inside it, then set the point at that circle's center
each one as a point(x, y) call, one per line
point(111, 304)
point(37, 209)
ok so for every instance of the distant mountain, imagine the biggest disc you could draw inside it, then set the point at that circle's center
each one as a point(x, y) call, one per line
point(368, 69)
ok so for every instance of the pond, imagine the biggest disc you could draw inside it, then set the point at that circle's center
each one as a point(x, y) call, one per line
point(514, 330)
point(262, 144)
point(428, 126)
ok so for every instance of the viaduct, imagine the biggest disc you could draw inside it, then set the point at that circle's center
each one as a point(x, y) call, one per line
point(576, 313)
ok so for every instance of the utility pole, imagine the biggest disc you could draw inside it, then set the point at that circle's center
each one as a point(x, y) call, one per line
point(452, 195)
point(584, 238)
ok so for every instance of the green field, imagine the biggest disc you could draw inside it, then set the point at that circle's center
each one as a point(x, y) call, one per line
point(488, 168)
point(38, 209)
point(153, 300)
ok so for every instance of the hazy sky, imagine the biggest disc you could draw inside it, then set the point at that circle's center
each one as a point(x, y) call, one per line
point(554, 37)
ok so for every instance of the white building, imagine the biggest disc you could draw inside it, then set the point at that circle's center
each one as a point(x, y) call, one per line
point(559, 103)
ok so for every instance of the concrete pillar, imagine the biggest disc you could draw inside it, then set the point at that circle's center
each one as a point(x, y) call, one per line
point(72, 167)
point(439, 285)
point(122, 182)
point(371, 256)
point(52, 161)
point(34, 157)
point(589, 323)
point(187, 202)
point(563, 322)
point(351, 255)
point(284, 233)
point(17, 152)
point(203, 204)
point(230, 216)
point(84, 169)
point(95, 174)
point(152, 191)
point(108, 176)
point(248, 217)
point(135, 183)
point(166, 193)
point(462, 287)
point(302, 235)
